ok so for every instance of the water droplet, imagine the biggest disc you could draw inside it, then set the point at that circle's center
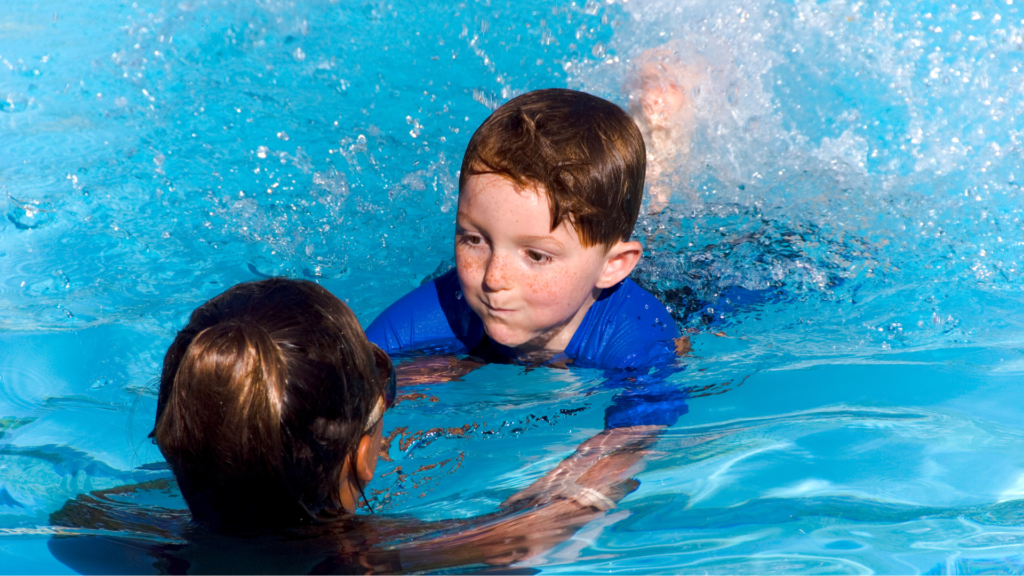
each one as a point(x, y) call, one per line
point(263, 260)
point(15, 103)
point(29, 214)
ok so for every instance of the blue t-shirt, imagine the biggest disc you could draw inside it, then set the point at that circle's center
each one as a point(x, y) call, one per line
point(627, 332)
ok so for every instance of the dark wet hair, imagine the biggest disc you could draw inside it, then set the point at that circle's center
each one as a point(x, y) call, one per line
point(263, 396)
point(586, 152)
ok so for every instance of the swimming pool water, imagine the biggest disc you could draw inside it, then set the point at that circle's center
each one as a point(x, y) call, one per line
point(844, 245)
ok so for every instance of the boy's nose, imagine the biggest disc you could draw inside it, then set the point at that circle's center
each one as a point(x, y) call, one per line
point(496, 275)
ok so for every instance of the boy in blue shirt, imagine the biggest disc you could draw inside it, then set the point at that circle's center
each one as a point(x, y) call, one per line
point(549, 193)
point(550, 190)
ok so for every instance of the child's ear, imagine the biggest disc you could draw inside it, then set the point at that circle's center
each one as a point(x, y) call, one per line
point(619, 263)
point(366, 456)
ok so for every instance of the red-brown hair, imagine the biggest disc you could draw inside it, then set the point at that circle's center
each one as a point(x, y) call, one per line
point(585, 152)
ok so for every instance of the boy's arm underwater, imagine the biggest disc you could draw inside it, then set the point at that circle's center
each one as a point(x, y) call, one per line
point(624, 447)
point(451, 368)
point(526, 528)
point(434, 369)
point(632, 426)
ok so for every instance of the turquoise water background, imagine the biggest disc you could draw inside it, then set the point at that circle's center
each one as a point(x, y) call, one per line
point(844, 244)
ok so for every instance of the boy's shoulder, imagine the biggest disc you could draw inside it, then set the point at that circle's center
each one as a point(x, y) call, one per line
point(627, 327)
point(433, 317)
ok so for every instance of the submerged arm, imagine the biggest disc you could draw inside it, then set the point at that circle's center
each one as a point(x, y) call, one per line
point(434, 369)
point(616, 451)
point(633, 423)
point(546, 514)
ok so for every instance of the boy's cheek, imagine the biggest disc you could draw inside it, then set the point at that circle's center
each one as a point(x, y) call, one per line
point(553, 283)
point(542, 288)
point(466, 263)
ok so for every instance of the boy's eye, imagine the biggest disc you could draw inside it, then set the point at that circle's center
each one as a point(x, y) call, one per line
point(537, 257)
point(471, 239)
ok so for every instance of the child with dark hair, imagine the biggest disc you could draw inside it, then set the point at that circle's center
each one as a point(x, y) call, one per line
point(270, 415)
point(271, 394)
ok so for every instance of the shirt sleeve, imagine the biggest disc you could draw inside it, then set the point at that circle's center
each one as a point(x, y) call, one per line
point(657, 403)
point(633, 338)
point(432, 318)
point(627, 328)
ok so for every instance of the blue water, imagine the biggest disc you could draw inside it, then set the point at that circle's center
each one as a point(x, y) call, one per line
point(844, 245)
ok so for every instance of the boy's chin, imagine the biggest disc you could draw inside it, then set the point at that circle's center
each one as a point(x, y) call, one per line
point(523, 343)
point(503, 335)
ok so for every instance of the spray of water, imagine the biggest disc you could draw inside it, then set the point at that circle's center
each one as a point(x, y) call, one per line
point(850, 167)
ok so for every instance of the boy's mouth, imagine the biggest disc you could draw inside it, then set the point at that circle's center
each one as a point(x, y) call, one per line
point(497, 310)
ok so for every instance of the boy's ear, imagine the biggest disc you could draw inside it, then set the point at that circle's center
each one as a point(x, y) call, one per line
point(619, 263)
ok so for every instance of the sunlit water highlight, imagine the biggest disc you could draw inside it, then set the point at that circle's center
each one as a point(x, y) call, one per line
point(844, 244)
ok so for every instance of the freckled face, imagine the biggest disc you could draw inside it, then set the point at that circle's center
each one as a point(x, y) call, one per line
point(530, 285)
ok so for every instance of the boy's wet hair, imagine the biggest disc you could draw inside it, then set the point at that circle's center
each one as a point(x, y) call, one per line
point(263, 396)
point(586, 153)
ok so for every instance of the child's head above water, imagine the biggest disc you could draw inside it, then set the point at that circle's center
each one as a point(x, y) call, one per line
point(550, 191)
point(583, 152)
point(269, 407)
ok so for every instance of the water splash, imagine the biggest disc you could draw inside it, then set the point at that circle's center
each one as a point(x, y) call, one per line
point(825, 183)
point(29, 214)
